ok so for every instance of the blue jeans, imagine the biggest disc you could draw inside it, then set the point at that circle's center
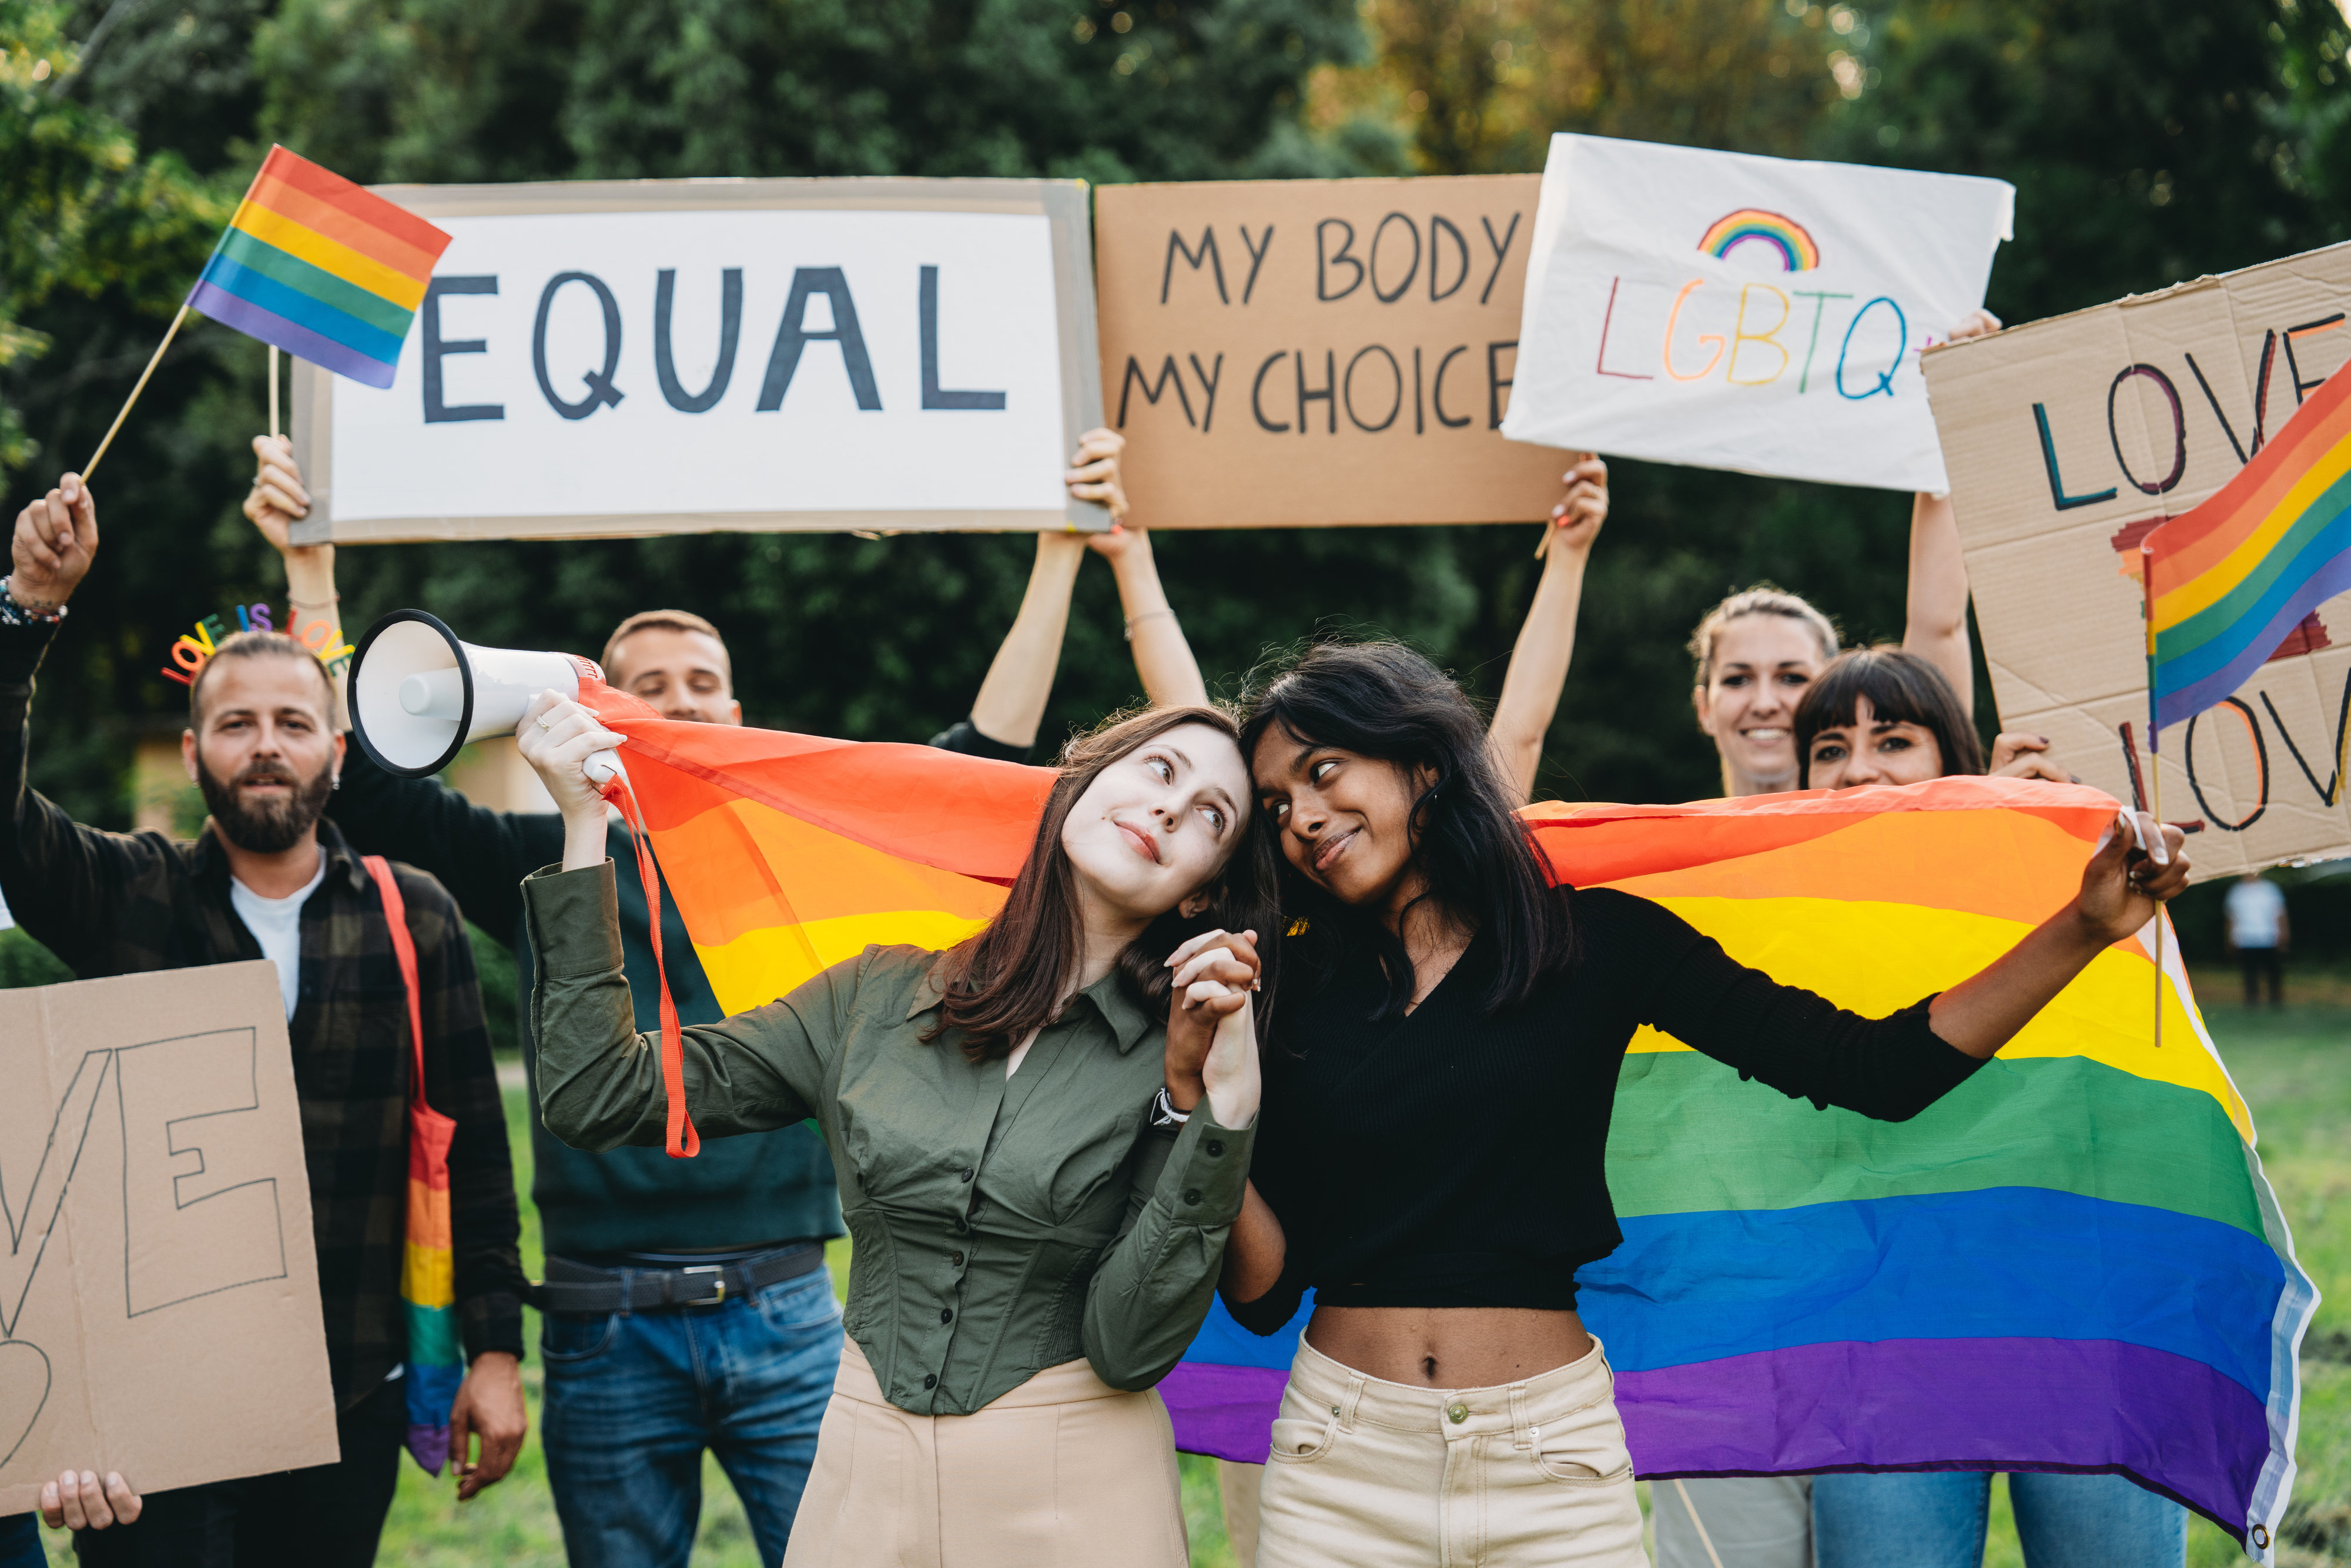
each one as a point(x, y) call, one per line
point(1936, 1519)
point(20, 1543)
point(632, 1399)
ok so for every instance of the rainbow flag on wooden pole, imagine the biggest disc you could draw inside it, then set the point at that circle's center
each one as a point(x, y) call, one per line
point(314, 264)
point(2229, 580)
point(2071, 1263)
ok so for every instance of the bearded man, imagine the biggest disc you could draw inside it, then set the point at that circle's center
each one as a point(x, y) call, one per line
point(268, 879)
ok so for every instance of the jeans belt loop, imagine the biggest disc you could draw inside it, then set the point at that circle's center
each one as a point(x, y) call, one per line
point(1354, 1396)
point(628, 1294)
point(1521, 1424)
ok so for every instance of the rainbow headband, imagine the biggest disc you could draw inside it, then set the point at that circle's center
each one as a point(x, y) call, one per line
point(1753, 225)
point(319, 634)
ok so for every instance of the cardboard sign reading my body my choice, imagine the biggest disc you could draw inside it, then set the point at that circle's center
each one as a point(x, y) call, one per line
point(159, 1297)
point(1283, 353)
point(2069, 440)
point(602, 357)
point(1730, 312)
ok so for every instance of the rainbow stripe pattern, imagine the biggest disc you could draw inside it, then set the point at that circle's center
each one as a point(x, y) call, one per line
point(321, 268)
point(2073, 1262)
point(1775, 231)
point(428, 1294)
point(2227, 582)
point(787, 853)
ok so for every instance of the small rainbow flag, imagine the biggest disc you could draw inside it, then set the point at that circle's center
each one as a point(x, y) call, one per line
point(2229, 580)
point(2073, 1262)
point(321, 268)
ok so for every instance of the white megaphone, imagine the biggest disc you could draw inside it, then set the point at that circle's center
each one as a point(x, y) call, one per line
point(418, 695)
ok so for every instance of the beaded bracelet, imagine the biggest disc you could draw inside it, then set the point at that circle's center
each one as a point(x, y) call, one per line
point(14, 613)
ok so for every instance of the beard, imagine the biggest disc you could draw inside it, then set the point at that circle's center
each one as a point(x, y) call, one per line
point(276, 826)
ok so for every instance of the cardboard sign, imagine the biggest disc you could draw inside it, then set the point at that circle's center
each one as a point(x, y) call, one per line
point(158, 1296)
point(1312, 352)
point(1730, 312)
point(2068, 440)
point(682, 355)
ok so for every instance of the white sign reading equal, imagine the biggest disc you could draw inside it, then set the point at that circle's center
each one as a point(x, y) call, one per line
point(683, 356)
point(1731, 311)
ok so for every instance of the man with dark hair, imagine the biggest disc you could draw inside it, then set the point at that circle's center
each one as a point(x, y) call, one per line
point(268, 879)
point(686, 1305)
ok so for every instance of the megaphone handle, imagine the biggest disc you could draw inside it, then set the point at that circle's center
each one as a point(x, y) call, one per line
point(602, 767)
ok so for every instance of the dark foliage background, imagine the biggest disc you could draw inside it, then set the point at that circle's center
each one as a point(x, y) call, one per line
point(2150, 140)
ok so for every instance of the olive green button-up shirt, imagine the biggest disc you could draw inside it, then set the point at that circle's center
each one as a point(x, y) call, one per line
point(1002, 1224)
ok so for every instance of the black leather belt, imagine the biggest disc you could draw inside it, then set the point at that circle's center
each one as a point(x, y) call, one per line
point(585, 1289)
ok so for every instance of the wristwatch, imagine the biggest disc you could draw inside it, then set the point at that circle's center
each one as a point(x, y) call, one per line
point(1163, 1114)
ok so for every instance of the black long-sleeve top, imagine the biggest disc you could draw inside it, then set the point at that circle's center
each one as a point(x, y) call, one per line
point(1447, 1158)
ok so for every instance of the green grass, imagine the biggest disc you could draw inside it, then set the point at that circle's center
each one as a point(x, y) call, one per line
point(2294, 1068)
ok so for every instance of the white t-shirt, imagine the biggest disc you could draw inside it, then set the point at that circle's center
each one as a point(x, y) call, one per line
point(2255, 909)
point(276, 925)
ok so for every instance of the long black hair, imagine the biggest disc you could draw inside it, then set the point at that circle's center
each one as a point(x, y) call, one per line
point(1384, 701)
point(1902, 689)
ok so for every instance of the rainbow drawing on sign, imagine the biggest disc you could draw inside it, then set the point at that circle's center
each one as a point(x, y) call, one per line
point(1753, 225)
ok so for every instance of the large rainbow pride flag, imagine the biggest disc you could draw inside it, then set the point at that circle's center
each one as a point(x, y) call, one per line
point(321, 268)
point(2073, 1262)
point(2228, 581)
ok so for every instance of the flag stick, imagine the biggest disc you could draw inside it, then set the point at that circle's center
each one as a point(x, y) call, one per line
point(273, 392)
point(92, 466)
point(2156, 764)
point(2154, 757)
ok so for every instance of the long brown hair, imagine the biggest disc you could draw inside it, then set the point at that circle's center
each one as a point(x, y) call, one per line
point(1015, 974)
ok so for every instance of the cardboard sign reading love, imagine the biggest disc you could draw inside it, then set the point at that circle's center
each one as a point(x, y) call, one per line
point(2069, 441)
point(158, 1296)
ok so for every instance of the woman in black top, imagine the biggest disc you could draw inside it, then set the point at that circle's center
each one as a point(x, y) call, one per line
point(1440, 1063)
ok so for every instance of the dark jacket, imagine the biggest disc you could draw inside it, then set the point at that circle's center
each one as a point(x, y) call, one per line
point(121, 903)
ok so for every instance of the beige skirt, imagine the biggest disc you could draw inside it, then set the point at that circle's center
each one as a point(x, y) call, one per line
point(1064, 1472)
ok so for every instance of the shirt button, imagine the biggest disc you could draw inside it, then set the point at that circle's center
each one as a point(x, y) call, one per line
point(955, 1259)
point(1191, 1194)
point(1457, 1414)
point(946, 1314)
point(967, 1175)
point(930, 1380)
point(1214, 1147)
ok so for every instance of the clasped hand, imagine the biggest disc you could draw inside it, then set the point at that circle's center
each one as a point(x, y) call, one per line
point(1212, 1026)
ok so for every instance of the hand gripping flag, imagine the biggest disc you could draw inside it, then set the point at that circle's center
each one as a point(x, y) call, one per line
point(2229, 580)
point(2071, 1263)
point(320, 268)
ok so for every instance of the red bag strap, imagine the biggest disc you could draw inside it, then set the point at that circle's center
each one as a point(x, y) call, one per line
point(682, 1142)
point(403, 948)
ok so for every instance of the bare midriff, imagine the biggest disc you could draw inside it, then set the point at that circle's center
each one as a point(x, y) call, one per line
point(1449, 1347)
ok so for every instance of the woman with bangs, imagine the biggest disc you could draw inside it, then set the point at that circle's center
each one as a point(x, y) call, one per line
point(1879, 715)
point(1039, 1180)
point(1440, 1070)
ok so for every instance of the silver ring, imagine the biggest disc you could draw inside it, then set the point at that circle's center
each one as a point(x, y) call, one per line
point(543, 722)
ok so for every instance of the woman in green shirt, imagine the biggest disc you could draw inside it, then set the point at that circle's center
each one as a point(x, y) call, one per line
point(1038, 1192)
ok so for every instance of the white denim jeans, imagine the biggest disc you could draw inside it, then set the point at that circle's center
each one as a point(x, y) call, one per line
point(1370, 1474)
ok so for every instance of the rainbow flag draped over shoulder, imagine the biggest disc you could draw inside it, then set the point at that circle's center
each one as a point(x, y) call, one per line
point(321, 268)
point(787, 853)
point(2227, 581)
point(2073, 1262)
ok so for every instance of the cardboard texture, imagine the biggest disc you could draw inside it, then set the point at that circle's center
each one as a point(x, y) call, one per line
point(1281, 353)
point(1764, 315)
point(159, 1305)
point(601, 358)
point(2067, 440)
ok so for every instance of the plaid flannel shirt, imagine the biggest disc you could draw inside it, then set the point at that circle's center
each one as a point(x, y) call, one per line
point(118, 904)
